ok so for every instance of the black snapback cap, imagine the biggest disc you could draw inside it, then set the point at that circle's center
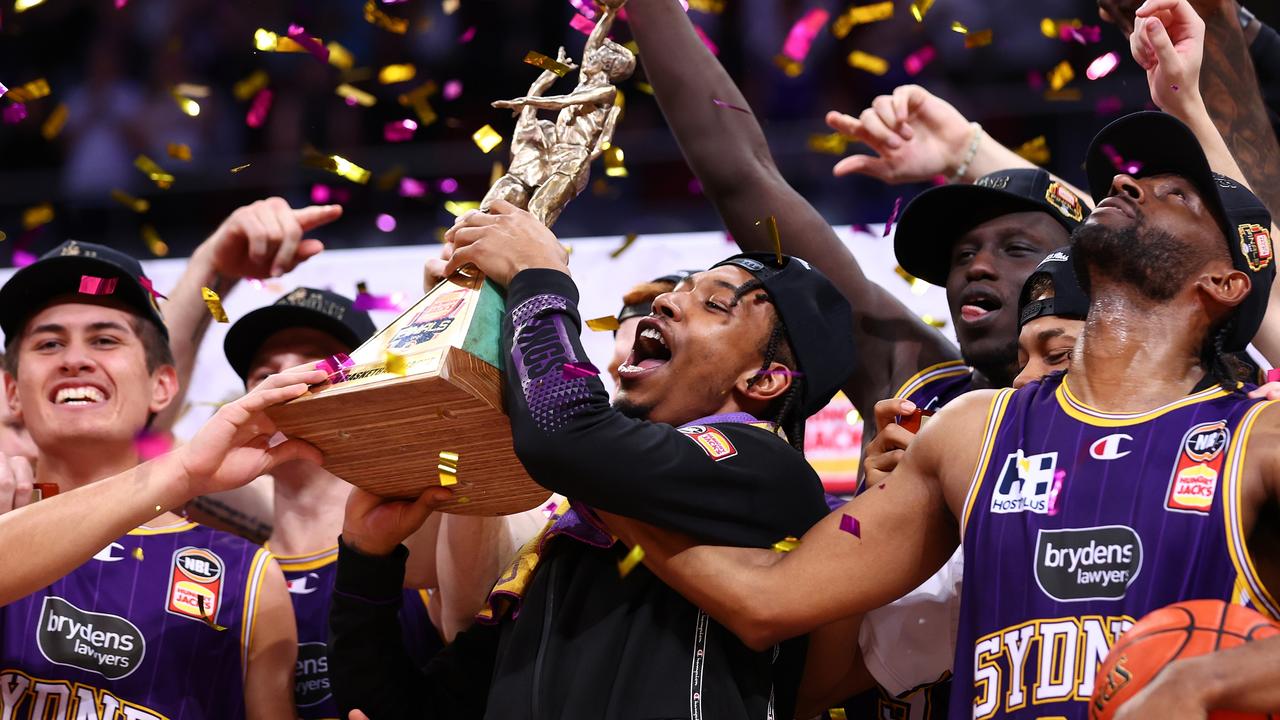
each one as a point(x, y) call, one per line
point(1156, 143)
point(1068, 300)
point(817, 319)
point(59, 272)
point(934, 219)
point(305, 307)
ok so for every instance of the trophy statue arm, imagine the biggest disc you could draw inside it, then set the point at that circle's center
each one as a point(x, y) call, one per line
point(606, 131)
point(728, 152)
point(596, 96)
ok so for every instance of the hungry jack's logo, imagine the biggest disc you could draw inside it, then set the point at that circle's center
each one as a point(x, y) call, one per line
point(196, 576)
point(1195, 474)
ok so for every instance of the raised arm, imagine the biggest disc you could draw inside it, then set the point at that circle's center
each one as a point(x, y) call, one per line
point(598, 95)
point(728, 152)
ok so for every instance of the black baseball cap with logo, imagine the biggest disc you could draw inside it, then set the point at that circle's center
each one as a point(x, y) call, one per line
point(1068, 299)
point(1156, 143)
point(304, 307)
point(817, 319)
point(59, 272)
point(936, 218)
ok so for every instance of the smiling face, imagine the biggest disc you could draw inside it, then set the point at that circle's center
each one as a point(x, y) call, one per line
point(989, 264)
point(289, 348)
point(695, 354)
point(82, 377)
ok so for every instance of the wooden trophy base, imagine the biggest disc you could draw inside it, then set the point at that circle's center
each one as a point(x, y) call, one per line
point(384, 429)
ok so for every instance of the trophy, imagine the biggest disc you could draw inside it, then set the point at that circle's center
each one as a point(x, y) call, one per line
point(421, 402)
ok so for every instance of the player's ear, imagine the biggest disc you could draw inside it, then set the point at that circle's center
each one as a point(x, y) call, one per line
point(768, 384)
point(164, 387)
point(1227, 287)
point(11, 395)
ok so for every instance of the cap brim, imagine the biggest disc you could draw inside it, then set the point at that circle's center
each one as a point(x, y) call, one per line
point(30, 289)
point(248, 334)
point(1157, 140)
point(937, 217)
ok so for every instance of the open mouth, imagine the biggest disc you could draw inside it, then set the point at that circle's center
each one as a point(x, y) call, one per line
point(649, 352)
point(978, 304)
point(78, 395)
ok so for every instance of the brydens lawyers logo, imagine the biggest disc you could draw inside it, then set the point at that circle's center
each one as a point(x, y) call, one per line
point(196, 575)
point(1097, 563)
point(712, 441)
point(1195, 473)
point(1108, 448)
point(1024, 483)
point(108, 645)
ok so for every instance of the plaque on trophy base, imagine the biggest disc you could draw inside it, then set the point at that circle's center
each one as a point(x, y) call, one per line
point(384, 429)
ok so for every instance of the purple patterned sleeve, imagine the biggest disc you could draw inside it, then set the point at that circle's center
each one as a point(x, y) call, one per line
point(541, 345)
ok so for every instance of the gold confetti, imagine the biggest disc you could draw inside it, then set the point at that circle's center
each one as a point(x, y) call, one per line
point(714, 7)
point(238, 168)
point(248, 87)
point(613, 161)
point(179, 151)
point(629, 563)
point(1034, 151)
point(53, 124)
point(417, 99)
point(1060, 75)
point(786, 544)
point(162, 179)
point(866, 61)
point(448, 468)
point(204, 616)
point(214, 303)
point(353, 94)
point(187, 105)
point(27, 92)
point(626, 243)
point(789, 67)
point(396, 364)
point(157, 508)
point(486, 138)
point(34, 217)
point(832, 144)
point(918, 286)
point(158, 247)
point(933, 321)
point(337, 165)
point(403, 72)
point(608, 323)
point(3, 237)
point(138, 205)
point(982, 38)
point(958, 27)
point(1051, 28)
point(390, 178)
point(860, 15)
point(538, 60)
point(771, 223)
point(837, 714)
point(380, 19)
point(1064, 95)
point(496, 172)
point(25, 5)
point(919, 8)
point(644, 87)
point(137, 554)
point(449, 6)
point(339, 56)
point(192, 90)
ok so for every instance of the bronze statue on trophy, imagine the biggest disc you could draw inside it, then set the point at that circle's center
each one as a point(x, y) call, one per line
point(550, 163)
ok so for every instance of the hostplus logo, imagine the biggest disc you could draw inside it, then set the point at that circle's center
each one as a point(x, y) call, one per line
point(1024, 484)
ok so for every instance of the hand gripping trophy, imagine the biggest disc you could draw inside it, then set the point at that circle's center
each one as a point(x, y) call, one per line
point(550, 162)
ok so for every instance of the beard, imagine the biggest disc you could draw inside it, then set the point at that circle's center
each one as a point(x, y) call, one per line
point(632, 410)
point(1152, 261)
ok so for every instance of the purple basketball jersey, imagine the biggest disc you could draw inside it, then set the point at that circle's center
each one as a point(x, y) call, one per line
point(1078, 523)
point(311, 579)
point(125, 636)
point(937, 385)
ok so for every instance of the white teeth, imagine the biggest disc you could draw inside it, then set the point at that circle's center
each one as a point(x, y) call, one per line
point(625, 369)
point(78, 395)
point(653, 334)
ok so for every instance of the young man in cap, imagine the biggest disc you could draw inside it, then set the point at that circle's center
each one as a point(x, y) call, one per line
point(304, 326)
point(636, 304)
point(723, 362)
point(171, 619)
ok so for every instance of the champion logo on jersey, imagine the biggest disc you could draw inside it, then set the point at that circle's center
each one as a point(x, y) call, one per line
point(1108, 448)
point(299, 586)
point(1025, 483)
point(1199, 465)
point(106, 554)
point(196, 576)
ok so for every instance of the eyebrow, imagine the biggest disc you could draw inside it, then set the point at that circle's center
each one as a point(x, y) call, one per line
point(1051, 333)
point(96, 327)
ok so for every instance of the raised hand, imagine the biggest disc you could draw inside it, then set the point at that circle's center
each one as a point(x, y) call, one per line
point(885, 452)
point(265, 238)
point(502, 242)
point(376, 526)
point(1168, 42)
point(16, 481)
point(915, 135)
point(233, 446)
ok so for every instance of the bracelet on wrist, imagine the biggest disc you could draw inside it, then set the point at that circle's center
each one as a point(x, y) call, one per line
point(974, 138)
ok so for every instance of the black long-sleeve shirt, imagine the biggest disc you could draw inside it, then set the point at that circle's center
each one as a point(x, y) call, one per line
point(588, 643)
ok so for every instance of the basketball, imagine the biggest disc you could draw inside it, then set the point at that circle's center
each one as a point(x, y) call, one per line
point(1184, 629)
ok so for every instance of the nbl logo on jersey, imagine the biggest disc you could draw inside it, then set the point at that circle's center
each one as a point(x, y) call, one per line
point(1195, 473)
point(1025, 483)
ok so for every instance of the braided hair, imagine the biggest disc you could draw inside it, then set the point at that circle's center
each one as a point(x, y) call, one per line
point(785, 410)
point(1221, 366)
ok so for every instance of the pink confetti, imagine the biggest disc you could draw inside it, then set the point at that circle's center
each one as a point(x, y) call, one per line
point(335, 366)
point(368, 301)
point(850, 524)
point(893, 216)
point(1129, 167)
point(320, 194)
point(1058, 477)
point(1103, 65)
point(724, 104)
point(145, 282)
point(550, 509)
point(570, 371)
point(299, 35)
point(259, 108)
point(915, 62)
point(706, 40)
point(150, 445)
point(582, 24)
point(23, 258)
point(121, 3)
point(801, 36)
point(90, 285)
point(386, 223)
point(1085, 34)
point(467, 35)
point(447, 185)
point(586, 7)
point(15, 113)
point(1273, 375)
point(410, 187)
point(452, 90)
point(399, 130)
point(3, 89)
